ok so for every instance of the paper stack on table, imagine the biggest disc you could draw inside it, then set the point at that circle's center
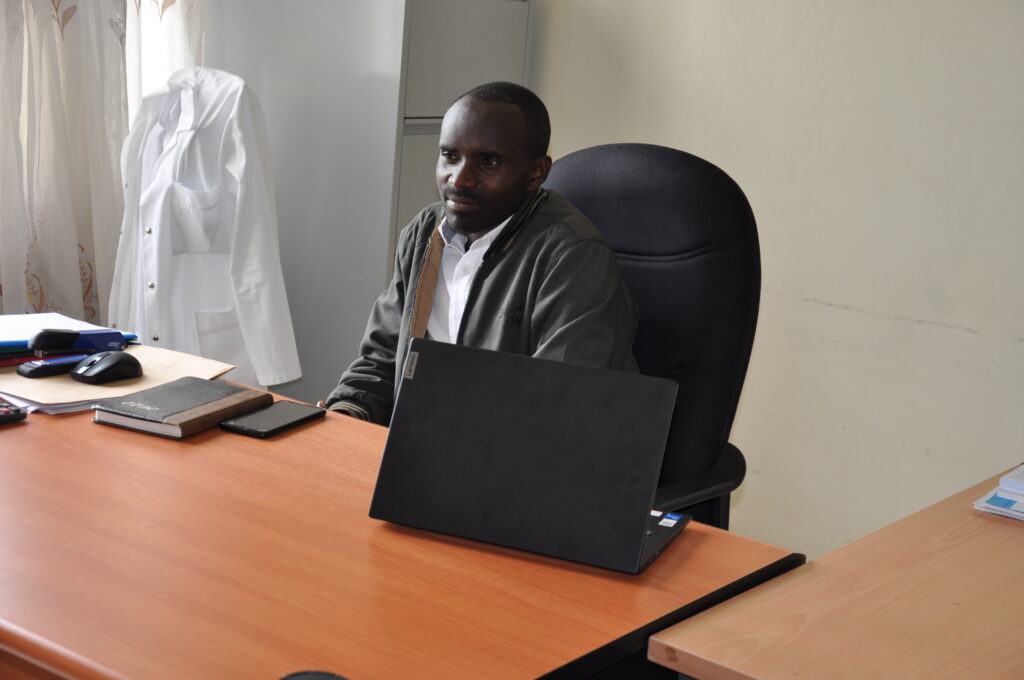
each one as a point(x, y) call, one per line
point(63, 394)
point(17, 329)
point(1008, 498)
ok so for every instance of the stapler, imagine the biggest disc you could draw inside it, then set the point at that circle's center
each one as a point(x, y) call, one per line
point(43, 368)
point(53, 341)
point(60, 350)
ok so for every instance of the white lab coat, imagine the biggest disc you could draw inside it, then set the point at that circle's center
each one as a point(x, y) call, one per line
point(198, 264)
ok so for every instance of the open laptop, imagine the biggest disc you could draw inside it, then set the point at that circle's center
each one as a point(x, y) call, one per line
point(528, 453)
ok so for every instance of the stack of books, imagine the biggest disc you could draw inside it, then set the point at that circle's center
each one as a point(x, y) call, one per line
point(1008, 498)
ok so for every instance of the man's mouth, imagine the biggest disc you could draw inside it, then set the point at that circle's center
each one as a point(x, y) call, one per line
point(461, 202)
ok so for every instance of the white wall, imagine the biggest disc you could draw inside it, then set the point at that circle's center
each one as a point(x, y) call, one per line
point(881, 145)
point(327, 75)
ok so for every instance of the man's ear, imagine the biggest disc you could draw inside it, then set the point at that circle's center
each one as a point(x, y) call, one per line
point(538, 173)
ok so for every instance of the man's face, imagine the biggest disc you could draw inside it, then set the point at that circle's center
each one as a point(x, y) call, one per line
point(484, 170)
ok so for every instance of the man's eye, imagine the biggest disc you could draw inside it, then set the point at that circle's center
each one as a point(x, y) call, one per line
point(490, 162)
point(448, 156)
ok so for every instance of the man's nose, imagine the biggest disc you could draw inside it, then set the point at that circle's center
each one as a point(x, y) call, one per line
point(463, 176)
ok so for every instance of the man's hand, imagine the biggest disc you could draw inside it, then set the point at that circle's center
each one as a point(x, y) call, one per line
point(347, 408)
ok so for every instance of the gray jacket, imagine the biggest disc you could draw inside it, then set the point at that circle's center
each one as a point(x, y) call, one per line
point(548, 287)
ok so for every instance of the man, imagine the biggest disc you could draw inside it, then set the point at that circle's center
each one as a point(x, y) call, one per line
point(499, 263)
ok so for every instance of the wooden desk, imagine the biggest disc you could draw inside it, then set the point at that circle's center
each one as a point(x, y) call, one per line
point(128, 556)
point(935, 595)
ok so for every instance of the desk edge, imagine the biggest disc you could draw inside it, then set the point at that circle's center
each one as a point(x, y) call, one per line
point(635, 641)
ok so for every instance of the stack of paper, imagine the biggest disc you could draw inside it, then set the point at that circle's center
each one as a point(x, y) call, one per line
point(17, 329)
point(1008, 498)
point(62, 394)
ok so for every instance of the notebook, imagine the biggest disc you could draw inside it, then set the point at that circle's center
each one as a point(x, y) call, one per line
point(530, 454)
point(181, 407)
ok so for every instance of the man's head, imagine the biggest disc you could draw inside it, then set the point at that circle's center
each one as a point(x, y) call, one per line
point(493, 153)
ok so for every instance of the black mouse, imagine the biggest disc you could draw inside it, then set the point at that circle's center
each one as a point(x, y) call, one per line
point(104, 367)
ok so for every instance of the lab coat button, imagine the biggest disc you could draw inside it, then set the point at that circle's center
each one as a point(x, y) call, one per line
point(152, 285)
point(155, 338)
point(149, 230)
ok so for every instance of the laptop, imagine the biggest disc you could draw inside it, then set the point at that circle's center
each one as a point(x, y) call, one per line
point(528, 453)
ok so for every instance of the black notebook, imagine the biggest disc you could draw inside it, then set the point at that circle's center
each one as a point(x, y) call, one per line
point(181, 407)
point(531, 454)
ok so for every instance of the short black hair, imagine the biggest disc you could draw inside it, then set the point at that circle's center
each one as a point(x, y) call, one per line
point(538, 124)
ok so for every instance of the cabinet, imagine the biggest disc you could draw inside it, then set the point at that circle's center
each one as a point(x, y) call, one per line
point(450, 46)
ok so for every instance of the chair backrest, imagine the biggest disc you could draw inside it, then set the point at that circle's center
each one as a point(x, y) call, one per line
point(686, 242)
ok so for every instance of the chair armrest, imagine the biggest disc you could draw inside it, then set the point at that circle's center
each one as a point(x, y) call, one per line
point(724, 476)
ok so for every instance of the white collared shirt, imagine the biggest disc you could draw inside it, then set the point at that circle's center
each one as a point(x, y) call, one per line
point(458, 268)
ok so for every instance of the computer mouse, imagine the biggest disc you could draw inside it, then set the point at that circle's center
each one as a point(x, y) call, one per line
point(104, 367)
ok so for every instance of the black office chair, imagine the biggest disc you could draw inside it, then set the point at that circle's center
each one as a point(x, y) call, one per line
point(686, 243)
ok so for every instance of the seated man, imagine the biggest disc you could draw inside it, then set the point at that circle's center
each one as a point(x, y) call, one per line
point(499, 263)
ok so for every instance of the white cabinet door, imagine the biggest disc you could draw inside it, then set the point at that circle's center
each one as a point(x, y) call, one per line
point(455, 45)
point(417, 185)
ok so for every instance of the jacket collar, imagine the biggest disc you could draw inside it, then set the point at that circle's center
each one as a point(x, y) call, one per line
point(515, 223)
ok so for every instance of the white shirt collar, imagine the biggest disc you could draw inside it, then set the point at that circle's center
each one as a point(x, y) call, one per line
point(179, 113)
point(452, 238)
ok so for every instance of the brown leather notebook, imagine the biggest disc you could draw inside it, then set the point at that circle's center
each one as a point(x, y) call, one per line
point(181, 407)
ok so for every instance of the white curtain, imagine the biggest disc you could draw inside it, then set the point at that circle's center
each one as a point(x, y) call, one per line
point(13, 218)
point(66, 81)
point(163, 36)
point(62, 123)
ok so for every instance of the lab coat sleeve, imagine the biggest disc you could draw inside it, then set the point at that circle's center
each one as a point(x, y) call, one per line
point(255, 269)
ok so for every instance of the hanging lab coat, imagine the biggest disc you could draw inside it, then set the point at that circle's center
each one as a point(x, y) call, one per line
point(198, 264)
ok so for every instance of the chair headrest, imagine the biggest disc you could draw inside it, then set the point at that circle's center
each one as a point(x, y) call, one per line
point(683, 202)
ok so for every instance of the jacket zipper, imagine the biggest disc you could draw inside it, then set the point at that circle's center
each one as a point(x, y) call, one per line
point(470, 300)
point(493, 254)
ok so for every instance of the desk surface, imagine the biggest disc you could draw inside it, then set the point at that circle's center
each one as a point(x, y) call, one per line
point(128, 556)
point(935, 595)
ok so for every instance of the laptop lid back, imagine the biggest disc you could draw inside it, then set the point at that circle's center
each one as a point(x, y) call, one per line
point(526, 453)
